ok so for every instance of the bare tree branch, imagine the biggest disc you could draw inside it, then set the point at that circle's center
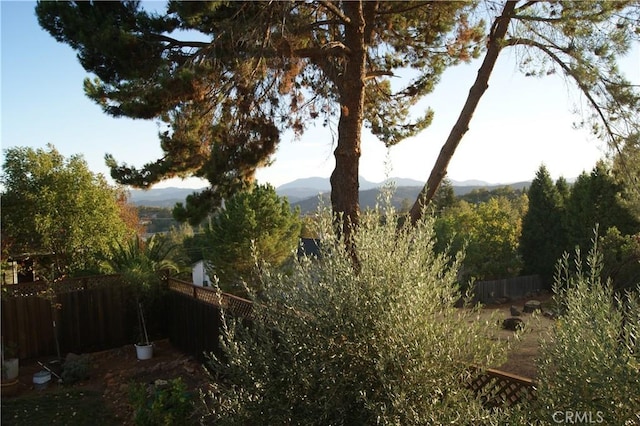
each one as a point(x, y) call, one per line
point(378, 73)
point(337, 12)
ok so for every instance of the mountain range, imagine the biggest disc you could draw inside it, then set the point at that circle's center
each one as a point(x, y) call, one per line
point(305, 192)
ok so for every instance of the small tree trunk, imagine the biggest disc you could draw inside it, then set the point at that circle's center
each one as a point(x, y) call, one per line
point(439, 170)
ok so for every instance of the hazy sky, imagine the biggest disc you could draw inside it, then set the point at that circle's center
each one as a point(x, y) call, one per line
point(520, 123)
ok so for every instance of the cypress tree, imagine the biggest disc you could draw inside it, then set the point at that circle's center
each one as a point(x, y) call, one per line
point(543, 234)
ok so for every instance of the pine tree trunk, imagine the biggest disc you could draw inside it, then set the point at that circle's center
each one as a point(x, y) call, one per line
point(344, 179)
point(439, 170)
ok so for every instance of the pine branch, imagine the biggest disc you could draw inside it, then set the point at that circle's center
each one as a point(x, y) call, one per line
point(570, 72)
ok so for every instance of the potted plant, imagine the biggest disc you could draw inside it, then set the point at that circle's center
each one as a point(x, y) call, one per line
point(144, 348)
point(144, 266)
point(10, 361)
point(10, 369)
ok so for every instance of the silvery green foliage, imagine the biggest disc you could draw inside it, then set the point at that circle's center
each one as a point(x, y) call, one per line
point(332, 346)
point(590, 362)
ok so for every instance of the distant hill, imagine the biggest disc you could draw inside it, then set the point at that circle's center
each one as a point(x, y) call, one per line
point(301, 189)
point(305, 192)
point(403, 195)
point(159, 197)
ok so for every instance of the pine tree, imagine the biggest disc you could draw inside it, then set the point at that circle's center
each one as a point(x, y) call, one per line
point(254, 226)
point(252, 70)
point(595, 201)
point(580, 40)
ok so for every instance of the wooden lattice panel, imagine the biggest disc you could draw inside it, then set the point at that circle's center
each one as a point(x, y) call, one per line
point(234, 304)
point(496, 388)
point(180, 287)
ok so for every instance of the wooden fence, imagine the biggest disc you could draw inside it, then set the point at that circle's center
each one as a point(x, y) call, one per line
point(195, 314)
point(95, 313)
point(512, 288)
point(90, 314)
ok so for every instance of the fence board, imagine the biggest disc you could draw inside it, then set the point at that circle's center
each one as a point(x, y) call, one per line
point(196, 317)
point(94, 315)
point(512, 288)
point(195, 325)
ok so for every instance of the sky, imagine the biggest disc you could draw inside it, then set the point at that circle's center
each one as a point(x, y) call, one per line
point(520, 124)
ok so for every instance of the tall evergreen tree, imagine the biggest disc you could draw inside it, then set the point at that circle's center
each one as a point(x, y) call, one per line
point(254, 225)
point(542, 241)
point(595, 200)
point(227, 78)
point(581, 40)
point(626, 171)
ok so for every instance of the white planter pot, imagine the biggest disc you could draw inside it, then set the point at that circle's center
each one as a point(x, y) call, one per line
point(144, 351)
point(12, 368)
point(41, 380)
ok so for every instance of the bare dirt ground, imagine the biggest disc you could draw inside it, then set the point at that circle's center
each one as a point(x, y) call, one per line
point(113, 371)
point(521, 358)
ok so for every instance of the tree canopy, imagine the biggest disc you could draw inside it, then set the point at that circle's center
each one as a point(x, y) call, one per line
point(596, 200)
point(253, 225)
point(227, 78)
point(57, 207)
point(581, 40)
point(489, 233)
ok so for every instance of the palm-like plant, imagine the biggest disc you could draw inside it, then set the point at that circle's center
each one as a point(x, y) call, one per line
point(145, 267)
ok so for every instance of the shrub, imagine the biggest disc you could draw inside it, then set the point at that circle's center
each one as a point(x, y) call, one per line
point(162, 403)
point(75, 369)
point(590, 362)
point(329, 345)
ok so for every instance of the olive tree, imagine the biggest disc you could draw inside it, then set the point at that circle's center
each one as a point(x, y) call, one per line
point(590, 360)
point(381, 345)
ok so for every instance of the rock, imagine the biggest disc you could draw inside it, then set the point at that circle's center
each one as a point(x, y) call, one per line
point(72, 357)
point(532, 306)
point(549, 314)
point(513, 324)
point(515, 312)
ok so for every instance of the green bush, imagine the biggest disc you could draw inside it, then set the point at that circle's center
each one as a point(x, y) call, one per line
point(75, 369)
point(162, 403)
point(328, 345)
point(589, 364)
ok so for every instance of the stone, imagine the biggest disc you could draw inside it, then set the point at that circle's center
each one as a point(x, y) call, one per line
point(514, 311)
point(532, 306)
point(502, 300)
point(513, 324)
